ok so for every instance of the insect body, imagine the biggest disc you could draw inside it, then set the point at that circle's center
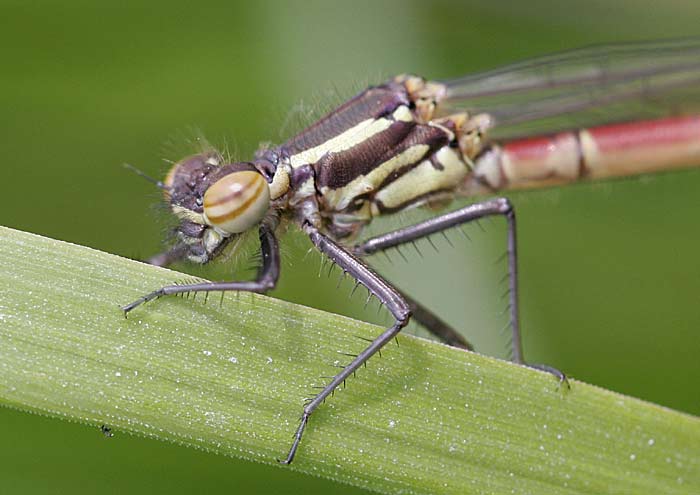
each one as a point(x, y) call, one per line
point(409, 142)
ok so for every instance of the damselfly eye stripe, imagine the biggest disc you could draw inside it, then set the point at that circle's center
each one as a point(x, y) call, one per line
point(237, 201)
point(410, 141)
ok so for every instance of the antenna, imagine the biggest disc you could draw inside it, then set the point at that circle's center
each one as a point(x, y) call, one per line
point(138, 172)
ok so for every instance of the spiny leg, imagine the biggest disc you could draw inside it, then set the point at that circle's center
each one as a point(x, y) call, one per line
point(387, 295)
point(435, 325)
point(491, 207)
point(266, 279)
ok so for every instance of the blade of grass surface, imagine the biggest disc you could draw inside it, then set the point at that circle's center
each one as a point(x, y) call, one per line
point(230, 377)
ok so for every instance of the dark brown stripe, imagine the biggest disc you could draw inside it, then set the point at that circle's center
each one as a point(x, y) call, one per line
point(336, 170)
point(241, 208)
point(433, 136)
point(231, 195)
point(582, 166)
point(370, 104)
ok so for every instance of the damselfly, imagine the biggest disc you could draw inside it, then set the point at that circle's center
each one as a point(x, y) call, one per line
point(411, 142)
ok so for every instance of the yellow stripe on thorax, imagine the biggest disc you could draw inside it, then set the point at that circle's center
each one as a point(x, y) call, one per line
point(424, 179)
point(351, 137)
point(339, 199)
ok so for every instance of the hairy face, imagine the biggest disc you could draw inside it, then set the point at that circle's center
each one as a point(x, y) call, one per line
point(214, 202)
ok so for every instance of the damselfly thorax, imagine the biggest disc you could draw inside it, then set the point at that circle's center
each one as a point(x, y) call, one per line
point(410, 142)
point(379, 153)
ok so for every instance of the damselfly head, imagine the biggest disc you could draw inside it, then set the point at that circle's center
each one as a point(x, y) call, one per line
point(214, 202)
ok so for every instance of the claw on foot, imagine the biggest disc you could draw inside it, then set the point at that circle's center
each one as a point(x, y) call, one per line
point(559, 375)
point(140, 301)
point(131, 306)
point(297, 439)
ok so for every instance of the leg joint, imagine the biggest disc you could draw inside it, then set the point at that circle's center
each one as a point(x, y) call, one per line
point(505, 206)
point(403, 316)
point(266, 284)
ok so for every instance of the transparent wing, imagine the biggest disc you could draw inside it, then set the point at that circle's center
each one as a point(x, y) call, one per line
point(584, 87)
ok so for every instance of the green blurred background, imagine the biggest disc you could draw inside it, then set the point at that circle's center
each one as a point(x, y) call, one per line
point(610, 272)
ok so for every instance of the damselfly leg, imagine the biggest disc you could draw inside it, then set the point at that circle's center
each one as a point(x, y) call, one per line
point(378, 287)
point(491, 207)
point(168, 257)
point(435, 325)
point(265, 281)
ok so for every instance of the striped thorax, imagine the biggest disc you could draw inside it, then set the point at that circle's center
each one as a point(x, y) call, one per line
point(378, 153)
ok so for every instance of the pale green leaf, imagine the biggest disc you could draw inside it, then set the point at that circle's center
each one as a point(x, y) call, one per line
point(230, 376)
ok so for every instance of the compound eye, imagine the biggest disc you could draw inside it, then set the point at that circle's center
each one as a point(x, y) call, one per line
point(237, 201)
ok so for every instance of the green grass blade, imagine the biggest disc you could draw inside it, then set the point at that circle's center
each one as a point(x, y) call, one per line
point(230, 377)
